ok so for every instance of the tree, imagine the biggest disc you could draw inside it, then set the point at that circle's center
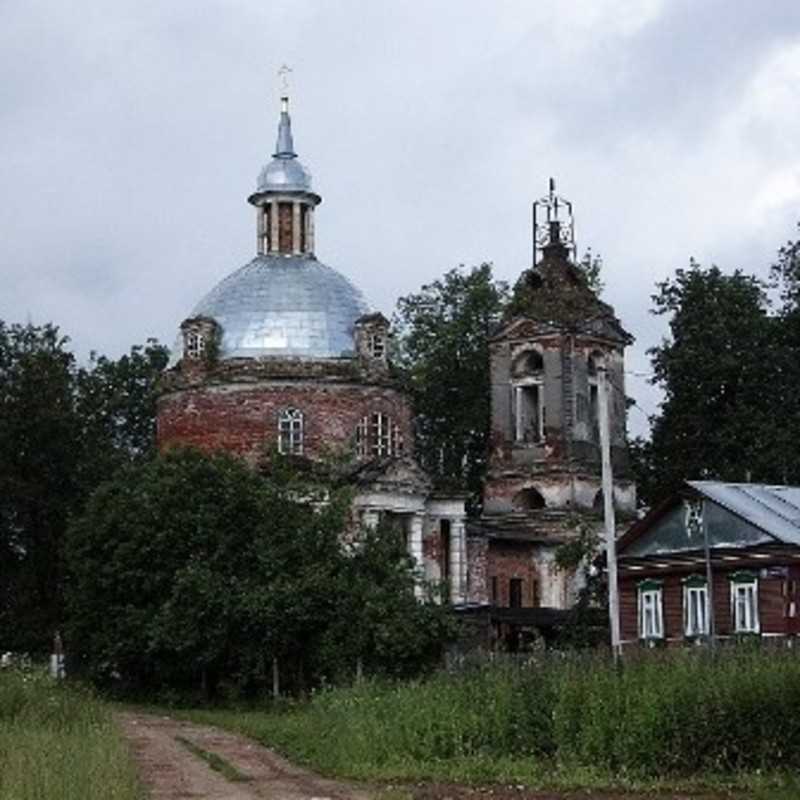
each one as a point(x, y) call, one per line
point(381, 627)
point(63, 429)
point(40, 465)
point(717, 421)
point(192, 569)
point(443, 355)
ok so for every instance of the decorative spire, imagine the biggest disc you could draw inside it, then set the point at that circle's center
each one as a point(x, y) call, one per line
point(553, 226)
point(284, 147)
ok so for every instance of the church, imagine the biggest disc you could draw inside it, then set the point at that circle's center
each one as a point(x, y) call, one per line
point(285, 354)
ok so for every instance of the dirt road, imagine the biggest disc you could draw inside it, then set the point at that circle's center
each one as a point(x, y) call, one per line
point(172, 757)
point(169, 755)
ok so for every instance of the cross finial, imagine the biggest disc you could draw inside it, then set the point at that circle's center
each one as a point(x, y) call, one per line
point(283, 76)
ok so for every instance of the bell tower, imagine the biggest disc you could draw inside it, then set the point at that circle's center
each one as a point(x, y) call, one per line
point(557, 333)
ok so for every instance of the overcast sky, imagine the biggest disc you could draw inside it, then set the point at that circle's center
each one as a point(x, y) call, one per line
point(131, 134)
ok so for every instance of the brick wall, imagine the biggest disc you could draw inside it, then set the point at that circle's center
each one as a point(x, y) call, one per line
point(244, 419)
point(507, 560)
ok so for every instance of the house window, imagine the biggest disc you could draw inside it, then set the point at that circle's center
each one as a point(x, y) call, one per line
point(651, 613)
point(377, 435)
point(195, 345)
point(377, 345)
point(515, 593)
point(789, 591)
point(290, 432)
point(744, 602)
point(695, 607)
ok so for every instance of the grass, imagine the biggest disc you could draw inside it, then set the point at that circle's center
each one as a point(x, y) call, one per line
point(58, 742)
point(215, 761)
point(667, 721)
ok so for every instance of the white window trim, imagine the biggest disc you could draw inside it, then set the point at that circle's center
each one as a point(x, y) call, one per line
point(378, 436)
point(697, 593)
point(195, 344)
point(748, 621)
point(656, 597)
point(291, 432)
point(377, 345)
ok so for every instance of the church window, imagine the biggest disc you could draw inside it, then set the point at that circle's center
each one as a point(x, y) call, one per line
point(528, 500)
point(290, 432)
point(377, 345)
point(444, 535)
point(515, 593)
point(377, 435)
point(285, 227)
point(195, 345)
point(529, 417)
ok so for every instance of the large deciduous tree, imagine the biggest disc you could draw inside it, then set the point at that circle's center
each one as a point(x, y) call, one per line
point(724, 398)
point(443, 352)
point(191, 569)
point(63, 428)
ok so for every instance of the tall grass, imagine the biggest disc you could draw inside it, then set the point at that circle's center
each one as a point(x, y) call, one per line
point(667, 714)
point(58, 742)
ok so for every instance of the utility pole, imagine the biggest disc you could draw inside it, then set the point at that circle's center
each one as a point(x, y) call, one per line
point(712, 628)
point(608, 507)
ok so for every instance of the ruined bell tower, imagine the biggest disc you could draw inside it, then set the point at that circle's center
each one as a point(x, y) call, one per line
point(544, 477)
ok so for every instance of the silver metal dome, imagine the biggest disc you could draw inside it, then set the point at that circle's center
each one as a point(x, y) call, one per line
point(284, 175)
point(284, 306)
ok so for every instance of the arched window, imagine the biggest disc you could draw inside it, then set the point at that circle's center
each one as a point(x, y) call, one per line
point(290, 432)
point(195, 345)
point(377, 435)
point(528, 500)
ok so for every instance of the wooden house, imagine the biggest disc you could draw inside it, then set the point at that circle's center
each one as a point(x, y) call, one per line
point(736, 542)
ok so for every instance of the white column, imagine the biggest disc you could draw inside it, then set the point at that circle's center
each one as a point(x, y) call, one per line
point(458, 552)
point(415, 549)
point(295, 228)
point(370, 518)
point(310, 232)
point(273, 234)
point(517, 413)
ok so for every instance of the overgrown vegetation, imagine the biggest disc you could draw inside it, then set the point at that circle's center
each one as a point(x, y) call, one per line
point(576, 720)
point(194, 572)
point(58, 742)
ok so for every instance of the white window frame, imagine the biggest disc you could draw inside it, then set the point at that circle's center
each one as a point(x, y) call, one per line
point(195, 346)
point(290, 432)
point(651, 598)
point(378, 436)
point(695, 609)
point(744, 605)
point(377, 345)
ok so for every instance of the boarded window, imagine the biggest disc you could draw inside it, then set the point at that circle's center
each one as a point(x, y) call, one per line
point(444, 555)
point(285, 227)
point(515, 593)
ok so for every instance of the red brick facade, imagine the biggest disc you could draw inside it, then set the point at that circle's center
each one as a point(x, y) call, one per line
point(243, 418)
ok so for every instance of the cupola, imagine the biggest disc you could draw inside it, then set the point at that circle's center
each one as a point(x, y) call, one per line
point(284, 198)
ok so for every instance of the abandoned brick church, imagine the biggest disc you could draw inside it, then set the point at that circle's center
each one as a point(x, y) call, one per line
point(285, 353)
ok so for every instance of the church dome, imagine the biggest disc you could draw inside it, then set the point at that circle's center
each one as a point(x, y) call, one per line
point(284, 305)
point(284, 175)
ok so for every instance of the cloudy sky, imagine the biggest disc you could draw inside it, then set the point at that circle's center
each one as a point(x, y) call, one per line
point(131, 134)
